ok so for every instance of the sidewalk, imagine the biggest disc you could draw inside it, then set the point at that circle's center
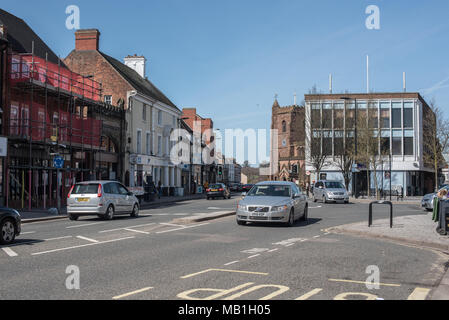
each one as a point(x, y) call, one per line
point(52, 214)
point(416, 230)
point(394, 200)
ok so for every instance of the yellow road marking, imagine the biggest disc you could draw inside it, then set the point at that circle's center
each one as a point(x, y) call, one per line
point(344, 295)
point(365, 282)
point(222, 270)
point(131, 293)
point(419, 294)
point(309, 294)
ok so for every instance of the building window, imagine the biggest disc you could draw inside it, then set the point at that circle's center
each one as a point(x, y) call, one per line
point(408, 115)
point(408, 142)
point(148, 143)
point(316, 115)
point(385, 142)
point(373, 115)
point(327, 143)
point(385, 115)
point(338, 143)
point(327, 115)
point(144, 112)
point(139, 142)
point(25, 121)
point(284, 126)
point(159, 145)
point(338, 115)
point(108, 99)
point(174, 122)
point(159, 117)
point(397, 142)
point(396, 110)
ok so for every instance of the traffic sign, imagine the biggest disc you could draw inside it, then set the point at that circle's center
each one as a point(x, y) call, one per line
point(58, 162)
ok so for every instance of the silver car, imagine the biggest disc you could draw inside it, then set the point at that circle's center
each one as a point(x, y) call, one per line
point(102, 198)
point(272, 201)
point(326, 190)
point(427, 200)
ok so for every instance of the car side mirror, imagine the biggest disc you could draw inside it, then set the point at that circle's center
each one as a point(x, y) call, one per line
point(243, 194)
point(130, 193)
point(320, 187)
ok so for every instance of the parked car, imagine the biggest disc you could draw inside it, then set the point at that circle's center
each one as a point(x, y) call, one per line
point(247, 187)
point(326, 190)
point(427, 200)
point(273, 201)
point(102, 198)
point(235, 187)
point(218, 190)
point(10, 225)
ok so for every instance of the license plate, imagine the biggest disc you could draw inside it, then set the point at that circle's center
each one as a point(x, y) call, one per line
point(258, 214)
point(82, 199)
point(214, 190)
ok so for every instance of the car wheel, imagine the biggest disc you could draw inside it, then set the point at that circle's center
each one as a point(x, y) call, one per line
point(324, 199)
point(306, 213)
point(346, 201)
point(291, 219)
point(135, 212)
point(73, 217)
point(208, 198)
point(314, 199)
point(8, 230)
point(109, 213)
point(241, 223)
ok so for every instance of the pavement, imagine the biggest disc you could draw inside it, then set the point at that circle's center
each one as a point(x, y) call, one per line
point(153, 257)
point(417, 230)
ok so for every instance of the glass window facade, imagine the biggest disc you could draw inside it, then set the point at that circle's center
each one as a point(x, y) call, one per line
point(408, 142)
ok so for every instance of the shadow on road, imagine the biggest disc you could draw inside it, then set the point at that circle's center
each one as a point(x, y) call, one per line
point(297, 224)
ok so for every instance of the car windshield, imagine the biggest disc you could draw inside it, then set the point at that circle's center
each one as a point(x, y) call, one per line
point(334, 185)
point(91, 188)
point(270, 191)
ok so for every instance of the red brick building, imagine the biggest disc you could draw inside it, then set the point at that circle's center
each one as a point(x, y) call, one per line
point(289, 122)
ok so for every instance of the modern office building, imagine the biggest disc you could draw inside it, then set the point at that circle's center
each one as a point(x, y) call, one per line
point(398, 120)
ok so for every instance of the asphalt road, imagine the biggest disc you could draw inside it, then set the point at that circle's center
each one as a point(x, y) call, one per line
point(151, 258)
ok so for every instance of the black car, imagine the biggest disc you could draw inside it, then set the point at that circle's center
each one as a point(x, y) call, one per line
point(218, 190)
point(235, 187)
point(10, 225)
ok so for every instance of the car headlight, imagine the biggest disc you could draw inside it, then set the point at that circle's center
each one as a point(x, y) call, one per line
point(279, 208)
point(241, 207)
point(330, 193)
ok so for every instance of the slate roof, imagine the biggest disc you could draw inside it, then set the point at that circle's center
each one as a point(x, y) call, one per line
point(135, 80)
point(20, 37)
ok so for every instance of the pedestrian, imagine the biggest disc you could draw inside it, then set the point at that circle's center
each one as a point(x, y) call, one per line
point(307, 189)
point(159, 189)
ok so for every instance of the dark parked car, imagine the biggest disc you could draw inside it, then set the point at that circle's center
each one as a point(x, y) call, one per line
point(218, 190)
point(247, 187)
point(235, 187)
point(10, 225)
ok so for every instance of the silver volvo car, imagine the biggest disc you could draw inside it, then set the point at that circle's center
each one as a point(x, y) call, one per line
point(272, 201)
point(102, 198)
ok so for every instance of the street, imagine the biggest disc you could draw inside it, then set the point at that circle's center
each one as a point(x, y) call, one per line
point(151, 257)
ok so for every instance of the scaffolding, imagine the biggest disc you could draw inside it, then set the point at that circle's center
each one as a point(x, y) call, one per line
point(48, 114)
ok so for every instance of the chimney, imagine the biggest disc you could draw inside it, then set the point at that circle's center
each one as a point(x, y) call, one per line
point(87, 39)
point(137, 63)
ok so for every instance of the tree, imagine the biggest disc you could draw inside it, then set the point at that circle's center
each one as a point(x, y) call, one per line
point(435, 138)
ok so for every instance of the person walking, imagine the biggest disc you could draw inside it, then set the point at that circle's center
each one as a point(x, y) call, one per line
point(159, 189)
point(307, 189)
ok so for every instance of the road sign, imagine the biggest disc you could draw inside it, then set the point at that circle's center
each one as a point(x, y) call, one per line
point(58, 162)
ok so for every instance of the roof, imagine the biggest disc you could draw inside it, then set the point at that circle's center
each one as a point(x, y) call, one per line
point(135, 80)
point(20, 37)
point(283, 183)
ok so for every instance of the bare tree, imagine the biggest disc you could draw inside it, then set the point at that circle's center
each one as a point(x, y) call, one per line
point(435, 138)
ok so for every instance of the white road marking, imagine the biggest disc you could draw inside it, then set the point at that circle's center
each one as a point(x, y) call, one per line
point(80, 246)
point(87, 239)
point(303, 240)
point(28, 232)
point(253, 256)
point(171, 225)
point(232, 262)
point(139, 225)
point(9, 252)
point(316, 237)
point(419, 294)
point(177, 229)
point(58, 238)
point(134, 230)
point(309, 294)
point(272, 250)
point(365, 282)
point(131, 293)
point(315, 207)
point(83, 225)
point(289, 245)
point(254, 250)
point(288, 241)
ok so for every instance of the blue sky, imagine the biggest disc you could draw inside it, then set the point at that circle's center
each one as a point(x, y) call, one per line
point(229, 58)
